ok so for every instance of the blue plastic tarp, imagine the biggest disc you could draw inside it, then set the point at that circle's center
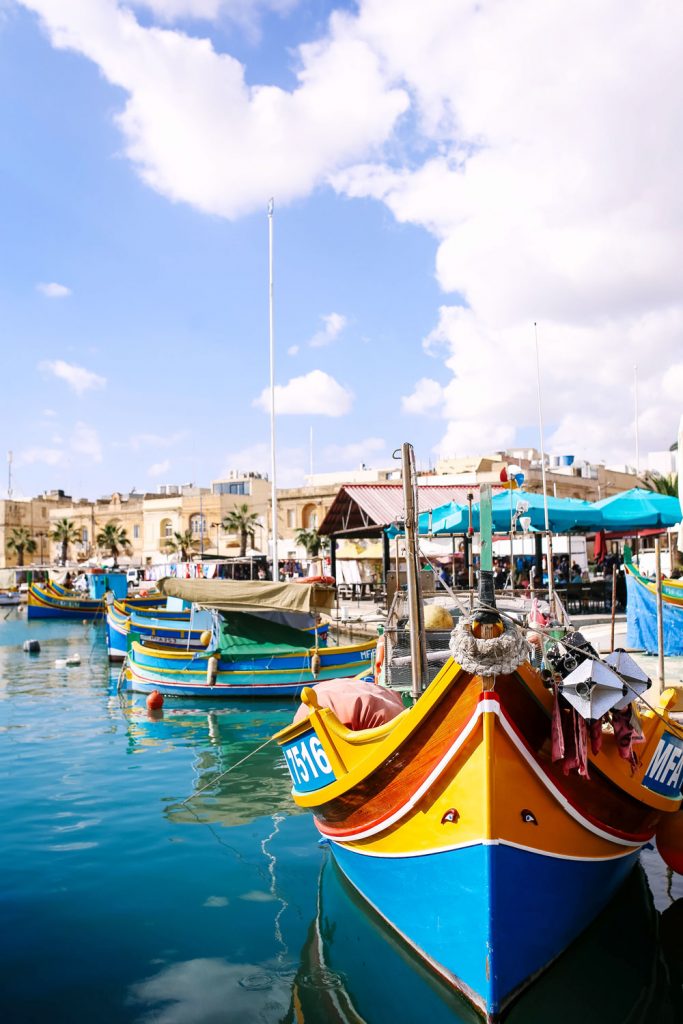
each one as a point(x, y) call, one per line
point(641, 621)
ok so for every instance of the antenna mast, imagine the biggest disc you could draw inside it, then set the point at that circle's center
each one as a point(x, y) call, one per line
point(273, 484)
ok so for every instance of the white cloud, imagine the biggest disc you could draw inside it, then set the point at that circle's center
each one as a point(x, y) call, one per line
point(77, 377)
point(86, 441)
point(159, 468)
point(49, 413)
point(315, 393)
point(426, 398)
point(355, 452)
point(149, 440)
point(672, 383)
point(292, 463)
point(333, 325)
point(553, 196)
point(49, 456)
point(293, 350)
point(550, 184)
point(242, 12)
point(52, 290)
point(197, 132)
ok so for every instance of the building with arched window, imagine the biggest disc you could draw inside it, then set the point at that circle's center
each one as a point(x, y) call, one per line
point(198, 525)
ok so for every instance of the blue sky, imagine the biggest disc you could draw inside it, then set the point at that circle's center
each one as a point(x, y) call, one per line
point(414, 245)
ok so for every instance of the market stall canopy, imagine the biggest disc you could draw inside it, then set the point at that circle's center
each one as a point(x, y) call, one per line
point(250, 595)
point(564, 515)
point(365, 510)
point(639, 508)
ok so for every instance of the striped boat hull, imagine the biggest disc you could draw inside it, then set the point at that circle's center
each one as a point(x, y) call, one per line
point(455, 825)
point(184, 674)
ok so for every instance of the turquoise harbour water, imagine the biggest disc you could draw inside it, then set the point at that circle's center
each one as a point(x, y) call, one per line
point(121, 903)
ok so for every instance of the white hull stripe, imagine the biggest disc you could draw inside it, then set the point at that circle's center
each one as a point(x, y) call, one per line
point(491, 706)
point(485, 842)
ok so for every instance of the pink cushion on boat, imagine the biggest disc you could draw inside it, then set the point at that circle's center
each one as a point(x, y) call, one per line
point(358, 704)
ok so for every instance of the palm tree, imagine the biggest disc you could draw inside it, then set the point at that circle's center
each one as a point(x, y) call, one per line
point(663, 484)
point(21, 541)
point(241, 521)
point(183, 543)
point(312, 541)
point(65, 532)
point(114, 539)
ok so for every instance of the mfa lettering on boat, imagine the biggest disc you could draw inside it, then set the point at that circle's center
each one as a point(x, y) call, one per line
point(664, 772)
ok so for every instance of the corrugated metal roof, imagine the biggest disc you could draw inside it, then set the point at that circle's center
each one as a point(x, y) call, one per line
point(371, 507)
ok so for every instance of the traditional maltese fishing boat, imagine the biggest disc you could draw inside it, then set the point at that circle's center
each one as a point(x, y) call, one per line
point(254, 649)
point(52, 601)
point(492, 820)
point(175, 627)
point(641, 612)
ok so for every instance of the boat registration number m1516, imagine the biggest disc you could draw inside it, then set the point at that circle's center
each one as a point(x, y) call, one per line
point(665, 770)
point(308, 763)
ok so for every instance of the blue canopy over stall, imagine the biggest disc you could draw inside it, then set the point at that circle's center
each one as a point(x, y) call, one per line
point(564, 515)
point(639, 508)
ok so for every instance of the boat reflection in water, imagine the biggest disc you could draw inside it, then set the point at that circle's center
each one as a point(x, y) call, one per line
point(625, 969)
point(218, 738)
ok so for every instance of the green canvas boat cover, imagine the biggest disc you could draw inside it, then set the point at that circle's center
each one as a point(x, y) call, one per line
point(250, 595)
point(248, 636)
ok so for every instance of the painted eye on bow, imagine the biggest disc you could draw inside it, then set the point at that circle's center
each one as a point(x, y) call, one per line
point(450, 815)
point(528, 817)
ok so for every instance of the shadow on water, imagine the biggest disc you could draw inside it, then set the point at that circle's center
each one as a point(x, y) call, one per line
point(626, 968)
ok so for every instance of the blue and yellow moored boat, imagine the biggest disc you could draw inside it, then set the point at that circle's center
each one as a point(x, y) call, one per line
point(461, 826)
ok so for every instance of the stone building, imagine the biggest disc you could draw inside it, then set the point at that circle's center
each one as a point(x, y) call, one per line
point(150, 519)
point(33, 515)
point(566, 477)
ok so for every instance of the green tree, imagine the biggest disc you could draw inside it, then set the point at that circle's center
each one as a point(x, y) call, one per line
point(65, 532)
point(22, 542)
point(183, 544)
point(242, 522)
point(114, 539)
point(312, 541)
point(661, 483)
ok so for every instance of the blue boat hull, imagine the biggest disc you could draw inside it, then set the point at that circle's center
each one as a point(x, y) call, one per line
point(487, 918)
point(185, 674)
point(76, 614)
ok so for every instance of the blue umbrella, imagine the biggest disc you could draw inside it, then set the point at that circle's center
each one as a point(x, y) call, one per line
point(638, 509)
point(564, 514)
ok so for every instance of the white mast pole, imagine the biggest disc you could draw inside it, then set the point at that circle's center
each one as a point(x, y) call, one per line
point(275, 564)
point(311, 451)
point(545, 487)
point(635, 401)
point(9, 476)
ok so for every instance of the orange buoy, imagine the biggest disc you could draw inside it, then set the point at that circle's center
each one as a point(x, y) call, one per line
point(155, 701)
point(669, 836)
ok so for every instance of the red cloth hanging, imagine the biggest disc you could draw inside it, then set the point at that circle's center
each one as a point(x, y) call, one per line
point(595, 733)
point(600, 548)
